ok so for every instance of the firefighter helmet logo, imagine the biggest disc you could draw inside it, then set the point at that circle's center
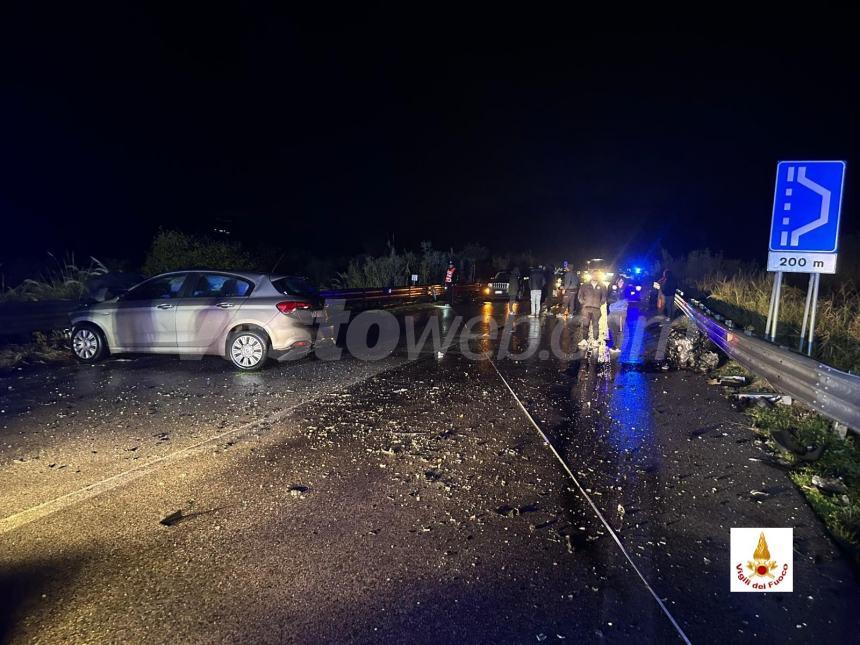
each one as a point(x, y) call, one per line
point(761, 566)
point(771, 566)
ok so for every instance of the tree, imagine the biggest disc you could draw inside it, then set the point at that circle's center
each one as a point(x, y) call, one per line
point(173, 250)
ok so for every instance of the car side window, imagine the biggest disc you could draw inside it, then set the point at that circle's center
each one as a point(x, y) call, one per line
point(162, 288)
point(213, 285)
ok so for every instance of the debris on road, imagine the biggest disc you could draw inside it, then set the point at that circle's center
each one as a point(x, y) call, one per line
point(829, 484)
point(733, 380)
point(763, 399)
point(508, 511)
point(786, 440)
point(173, 518)
point(690, 351)
point(297, 490)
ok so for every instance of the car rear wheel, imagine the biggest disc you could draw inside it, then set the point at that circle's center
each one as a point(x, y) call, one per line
point(88, 344)
point(247, 350)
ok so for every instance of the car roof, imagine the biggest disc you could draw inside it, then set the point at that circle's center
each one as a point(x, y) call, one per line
point(248, 275)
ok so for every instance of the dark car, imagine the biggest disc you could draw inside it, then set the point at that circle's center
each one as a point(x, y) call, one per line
point(637, 284)
point(497, 287)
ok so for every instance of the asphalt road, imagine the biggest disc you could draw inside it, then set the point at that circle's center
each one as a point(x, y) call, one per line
point(396, 500)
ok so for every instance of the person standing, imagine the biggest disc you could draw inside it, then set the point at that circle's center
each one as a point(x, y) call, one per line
point(617, 313)
point(451, 278)
point(666, 299)
point(537, 280)
point(570, 286)
point(513, 289)
point(592, 296)
point(548, 288)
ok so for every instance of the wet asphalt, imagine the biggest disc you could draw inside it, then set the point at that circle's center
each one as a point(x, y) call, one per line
point(393, 501)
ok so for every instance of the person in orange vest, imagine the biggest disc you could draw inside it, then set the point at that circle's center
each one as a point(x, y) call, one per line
point(451, 278)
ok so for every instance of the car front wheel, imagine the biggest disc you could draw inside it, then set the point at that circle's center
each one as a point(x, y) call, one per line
point(247, 350)
point(88, 344)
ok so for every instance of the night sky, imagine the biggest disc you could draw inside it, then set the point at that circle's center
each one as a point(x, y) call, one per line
point(336, 131)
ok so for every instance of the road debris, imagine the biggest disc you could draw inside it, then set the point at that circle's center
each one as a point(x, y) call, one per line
point(733, 380)
point(690, 351)
point(173, 518)
point(297, 490)
point(786, 440)
point(764, 399)
point(829, 484)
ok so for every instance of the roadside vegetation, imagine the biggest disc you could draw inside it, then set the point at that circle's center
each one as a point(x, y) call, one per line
point(824, 465)
point(60, 280)
point(741, 292)
point(744, 298)
point(50, 348)
point(831, 483)
point(173, 250)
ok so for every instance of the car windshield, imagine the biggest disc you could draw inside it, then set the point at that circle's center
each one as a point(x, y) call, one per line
point(501, 276)
point(295, 286)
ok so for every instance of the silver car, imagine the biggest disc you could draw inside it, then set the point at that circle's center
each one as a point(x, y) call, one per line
point(243, 317)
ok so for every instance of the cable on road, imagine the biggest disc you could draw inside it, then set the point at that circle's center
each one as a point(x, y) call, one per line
point(592, 504)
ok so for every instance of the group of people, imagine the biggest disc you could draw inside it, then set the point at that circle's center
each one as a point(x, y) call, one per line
point(588, 298)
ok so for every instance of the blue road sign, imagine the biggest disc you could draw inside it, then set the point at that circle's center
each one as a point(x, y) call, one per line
point(806, 206)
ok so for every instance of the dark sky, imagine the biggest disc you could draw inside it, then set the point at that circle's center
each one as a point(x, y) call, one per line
point(334, 131)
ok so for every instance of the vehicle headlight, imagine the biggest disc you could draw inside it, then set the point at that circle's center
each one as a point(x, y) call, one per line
point(487, 290)
point(638, 287)
point(489, 284)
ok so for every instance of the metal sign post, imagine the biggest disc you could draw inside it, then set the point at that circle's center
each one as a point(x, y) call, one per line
point(804, 232)
point(773, 318)
point(806, 310)
point(812, 315)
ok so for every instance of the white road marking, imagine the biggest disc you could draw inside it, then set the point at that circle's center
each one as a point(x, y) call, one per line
point(593, 506)
point(16, 520)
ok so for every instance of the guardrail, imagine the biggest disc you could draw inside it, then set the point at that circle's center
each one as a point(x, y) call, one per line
point(376, 296)
point(827, 390)
point(20, 319)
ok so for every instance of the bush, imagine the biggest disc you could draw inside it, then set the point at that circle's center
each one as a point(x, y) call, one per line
point(394, 269)
point(172, 251)
point(62, 280)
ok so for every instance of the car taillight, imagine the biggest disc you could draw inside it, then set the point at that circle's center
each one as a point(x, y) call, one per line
point(290, 306)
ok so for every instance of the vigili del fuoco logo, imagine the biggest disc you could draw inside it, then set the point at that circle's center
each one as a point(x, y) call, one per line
point(762, 559)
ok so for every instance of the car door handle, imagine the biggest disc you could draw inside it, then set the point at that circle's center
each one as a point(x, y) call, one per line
point(225, 305)
point(165, 305)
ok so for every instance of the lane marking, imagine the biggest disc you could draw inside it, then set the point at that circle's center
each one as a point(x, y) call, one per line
point(16, 520)
point(49, 507)
point(593, 506)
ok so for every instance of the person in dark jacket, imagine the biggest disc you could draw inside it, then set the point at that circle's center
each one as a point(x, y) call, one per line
point(667, 291)
point(616, 316)
point(513, 289)
point(592, 296)
point(451, 278)
point(548, 288)
point(537, 281)
point(570, 286)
